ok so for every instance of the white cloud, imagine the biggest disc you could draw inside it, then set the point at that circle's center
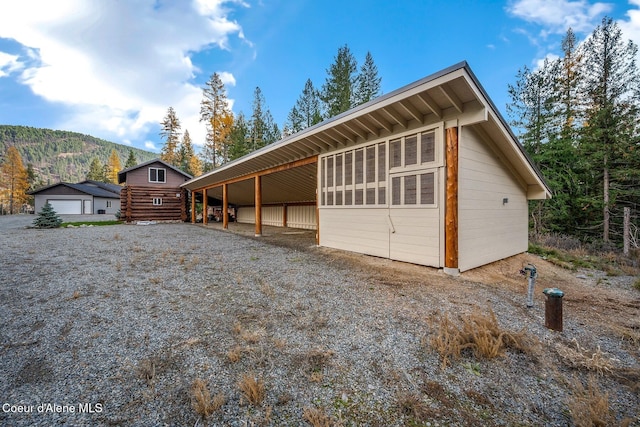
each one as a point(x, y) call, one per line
point(556, 16)
point(150, 145)
point(631, 27)
point(9, 64)
point(118, 65)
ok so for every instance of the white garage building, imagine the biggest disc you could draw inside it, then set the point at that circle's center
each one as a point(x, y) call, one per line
point(87, 197)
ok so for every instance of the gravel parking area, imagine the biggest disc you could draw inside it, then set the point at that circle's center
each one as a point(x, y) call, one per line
point(114, 325)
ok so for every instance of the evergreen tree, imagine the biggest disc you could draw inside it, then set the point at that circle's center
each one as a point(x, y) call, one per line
point(218, 118)
point(47, 218)
point(338, 89)
point(131, 160)
point(368, 82)
point(14, 177)
point(611, 89)
point(171, 133)
point(96, 171)
point(262, 128)
point(188, 161)
point(114, 166)
point(307, 111)
point(239, 138)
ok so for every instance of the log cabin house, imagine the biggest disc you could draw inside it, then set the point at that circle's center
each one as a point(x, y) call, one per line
point(152, 192)
point(429, 174)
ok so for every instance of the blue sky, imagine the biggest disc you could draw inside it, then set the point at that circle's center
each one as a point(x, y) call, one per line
point(112, 68)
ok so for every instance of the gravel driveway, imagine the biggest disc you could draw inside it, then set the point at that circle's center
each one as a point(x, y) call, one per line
point(113, 325)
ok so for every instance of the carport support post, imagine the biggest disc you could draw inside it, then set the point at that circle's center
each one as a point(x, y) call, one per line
point(451, 203)
point(258, 202)
point(193, 207)
point(204, 206)
point(225, 207)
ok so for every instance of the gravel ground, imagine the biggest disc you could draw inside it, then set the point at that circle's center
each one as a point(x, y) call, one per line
point(112, 325)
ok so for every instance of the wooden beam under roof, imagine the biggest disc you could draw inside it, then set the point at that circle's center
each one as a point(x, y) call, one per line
point(430, 103)
point(395, 115)
point(415, 113)
point(355, 130)
point(371, 129)
point(342, 141)
point(451, 96)
point(347, 135)
point(376, 117)
point(318, 142)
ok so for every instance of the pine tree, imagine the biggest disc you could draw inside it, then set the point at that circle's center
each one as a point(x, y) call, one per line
point(188, 161)
point(611, 88)
point(114, 166)
point(218, 118)
point(131, 160)
point(14, 178)
point(239, 138)
point(338, 89)
point(47, 218)
point(96, 171)
point(171, 133)
point(367, 83)
point(262, 128)
point(307, 111)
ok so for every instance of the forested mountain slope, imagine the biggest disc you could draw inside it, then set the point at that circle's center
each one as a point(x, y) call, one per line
point(61, 155)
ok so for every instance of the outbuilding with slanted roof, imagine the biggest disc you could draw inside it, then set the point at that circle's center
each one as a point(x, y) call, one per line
point(429, 174)
point(86, 197)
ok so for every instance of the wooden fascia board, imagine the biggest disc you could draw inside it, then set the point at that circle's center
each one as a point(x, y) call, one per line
point(280, 168)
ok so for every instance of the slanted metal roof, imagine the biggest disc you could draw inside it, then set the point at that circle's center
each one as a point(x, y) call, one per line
point(86, 188)
point(451, 94)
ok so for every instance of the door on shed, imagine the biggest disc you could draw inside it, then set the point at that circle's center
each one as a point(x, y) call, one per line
point(87, 207)
point(63, 207)
point(415, 227)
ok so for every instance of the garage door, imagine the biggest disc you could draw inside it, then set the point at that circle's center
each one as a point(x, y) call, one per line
point(66, 206)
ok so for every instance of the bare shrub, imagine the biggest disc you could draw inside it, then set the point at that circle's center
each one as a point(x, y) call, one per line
point(252, 389)
point(478, 332)
point(235, 354)
point(316, 417)
point(412, 406)
point(201, 400)
point(581, 358)
point(589, 406)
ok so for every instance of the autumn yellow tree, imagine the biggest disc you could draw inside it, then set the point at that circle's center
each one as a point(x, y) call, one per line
point(14, 179)
point(217, 116)
point(114, 166)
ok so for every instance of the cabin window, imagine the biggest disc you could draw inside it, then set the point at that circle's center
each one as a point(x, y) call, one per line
point(414, 189)
point(108, 203)
point(157, 201)
point(157, 175)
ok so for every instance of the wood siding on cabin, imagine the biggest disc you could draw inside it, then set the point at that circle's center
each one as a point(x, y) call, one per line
point(140, 177)
point(488, 229)
point(173, 206)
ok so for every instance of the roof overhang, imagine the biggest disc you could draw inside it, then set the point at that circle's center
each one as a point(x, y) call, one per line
point(453, 94)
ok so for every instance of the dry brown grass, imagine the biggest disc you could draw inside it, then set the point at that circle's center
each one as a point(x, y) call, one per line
point(316, 417)
point(412, 406)
point(478, 332)
point(581, 358)
point(201, 400)
point(252, 389)
point(589, 406)
point(235, 354)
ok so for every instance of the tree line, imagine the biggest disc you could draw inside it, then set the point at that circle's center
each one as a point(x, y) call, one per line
point(230, 136)
point(577, 117)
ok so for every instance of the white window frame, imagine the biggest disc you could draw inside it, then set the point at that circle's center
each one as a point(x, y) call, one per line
point(157, 201)
point(108, 203)
point(164, 175)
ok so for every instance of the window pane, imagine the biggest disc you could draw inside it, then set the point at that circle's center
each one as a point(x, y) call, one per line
point(382, 167)
point(382, 195)
point(348, 195)
point(396, 154)
point(330, 172)
point(371, 164)
point(338, 198)
point(153, 176)
point(359, 166)
point(358, 197)
point(410, 190)
point(428, 147)
point(329, 198)
point(395, 190)
point(371, 196)
point(323, 177)
point(339, 169)
point(348, 171)
point(161, 175)
point(411, 150)
point(427, 189)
